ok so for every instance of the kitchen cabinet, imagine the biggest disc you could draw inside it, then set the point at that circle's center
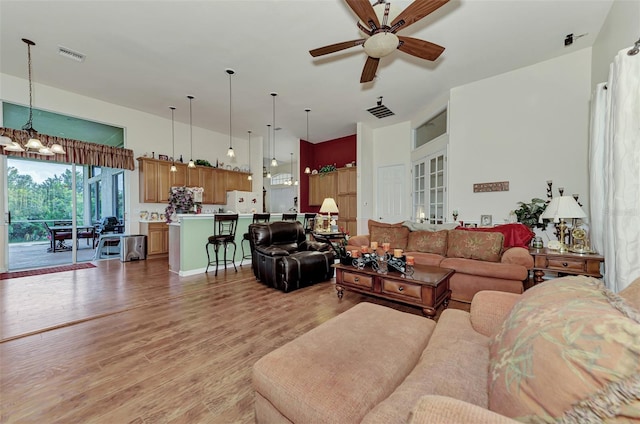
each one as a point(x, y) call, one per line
point(156, 179)
point(157, 238)
point(321, 186)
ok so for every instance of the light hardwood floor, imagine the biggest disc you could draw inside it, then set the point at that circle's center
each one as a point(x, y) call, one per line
point(132, 342)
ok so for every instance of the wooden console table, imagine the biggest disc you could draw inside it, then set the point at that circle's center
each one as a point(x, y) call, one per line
point(565, 263)
point(427, 288)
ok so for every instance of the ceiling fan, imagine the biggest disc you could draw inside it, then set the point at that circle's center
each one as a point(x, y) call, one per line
point(381, 27)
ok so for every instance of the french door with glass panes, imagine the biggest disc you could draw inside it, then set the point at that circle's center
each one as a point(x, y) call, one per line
point(429, 188)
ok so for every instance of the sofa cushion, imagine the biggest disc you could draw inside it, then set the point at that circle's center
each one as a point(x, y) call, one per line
point(569, 350)
point(427, 226)
point(454, 364)
point(396, 234)
point(475, 245)
point(428, 242)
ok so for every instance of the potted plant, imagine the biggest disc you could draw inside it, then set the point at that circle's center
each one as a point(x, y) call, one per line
point(529, 213)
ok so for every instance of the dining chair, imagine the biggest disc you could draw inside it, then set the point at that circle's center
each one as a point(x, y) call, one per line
point(224, 234)
point(57, 239)
point(258, 218)
point(289, 216)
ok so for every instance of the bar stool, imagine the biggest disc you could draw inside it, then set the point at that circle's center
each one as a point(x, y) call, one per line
point(309, 223)
point(224, 228)
point(258, 218)
point(289, 216)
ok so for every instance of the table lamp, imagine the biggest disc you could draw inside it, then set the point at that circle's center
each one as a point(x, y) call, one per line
point(328, 206)
point(559, 209)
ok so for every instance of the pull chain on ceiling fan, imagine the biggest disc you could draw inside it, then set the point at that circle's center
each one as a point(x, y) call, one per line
point(382, 39)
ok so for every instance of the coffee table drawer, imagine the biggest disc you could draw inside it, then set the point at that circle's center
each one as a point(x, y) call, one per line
point(399, 288)
point(357, 280)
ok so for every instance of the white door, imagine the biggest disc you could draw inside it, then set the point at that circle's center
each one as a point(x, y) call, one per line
point(390, 204)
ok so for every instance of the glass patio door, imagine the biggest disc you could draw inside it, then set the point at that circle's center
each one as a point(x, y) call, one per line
point(46, 205)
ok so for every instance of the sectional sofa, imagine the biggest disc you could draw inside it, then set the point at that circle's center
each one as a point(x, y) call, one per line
point(485, 259)
point(565, 351)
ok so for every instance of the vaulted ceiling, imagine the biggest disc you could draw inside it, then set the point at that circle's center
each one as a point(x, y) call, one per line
point(148, 55)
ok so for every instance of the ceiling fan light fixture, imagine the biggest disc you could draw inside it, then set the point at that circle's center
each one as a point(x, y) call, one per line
point(381, 44)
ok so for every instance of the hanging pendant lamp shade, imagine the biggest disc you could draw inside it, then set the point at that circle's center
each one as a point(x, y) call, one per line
point(250, 176)
point(269, 147)
point(274, 162)
point(230, 152)
point(191, 164)
point(307, 170)
point(173, 143)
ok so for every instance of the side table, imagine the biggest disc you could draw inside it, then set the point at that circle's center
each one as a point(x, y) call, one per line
point(546, 260)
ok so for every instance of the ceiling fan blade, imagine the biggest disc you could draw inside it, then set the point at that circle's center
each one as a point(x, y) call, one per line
point(420, 48)
point(335, 47)
point(416, 11)
point(369, 70)
point(365, 11)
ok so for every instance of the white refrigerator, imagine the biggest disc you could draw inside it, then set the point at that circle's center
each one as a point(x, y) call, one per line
point(244, 202)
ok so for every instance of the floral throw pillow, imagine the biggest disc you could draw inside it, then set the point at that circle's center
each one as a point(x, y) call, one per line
point(475, 245)
point(568, 352)
point(428, 242)
point(396, 234)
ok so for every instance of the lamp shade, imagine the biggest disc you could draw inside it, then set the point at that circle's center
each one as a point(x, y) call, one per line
point(329, 206)
point(563, 207)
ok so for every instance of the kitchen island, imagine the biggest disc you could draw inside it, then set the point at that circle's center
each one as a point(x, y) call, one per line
point(188, 236)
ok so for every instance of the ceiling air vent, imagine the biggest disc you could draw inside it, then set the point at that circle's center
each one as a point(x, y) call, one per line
point(380, 111)
point(63, 51)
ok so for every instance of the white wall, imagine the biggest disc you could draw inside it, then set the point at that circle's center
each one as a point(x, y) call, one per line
point(526, 127)
point(620, 30)
point(144, 133)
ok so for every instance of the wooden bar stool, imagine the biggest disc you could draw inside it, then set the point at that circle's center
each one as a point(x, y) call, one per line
point(258, 218)
point(289, 216)
point(224, 228)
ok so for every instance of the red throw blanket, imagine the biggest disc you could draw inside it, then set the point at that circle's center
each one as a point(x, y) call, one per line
point(515, 235)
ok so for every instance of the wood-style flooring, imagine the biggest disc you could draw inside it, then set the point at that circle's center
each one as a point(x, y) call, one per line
point(134, 343)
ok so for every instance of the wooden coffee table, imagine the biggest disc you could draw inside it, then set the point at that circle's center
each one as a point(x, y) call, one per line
point(427, 288)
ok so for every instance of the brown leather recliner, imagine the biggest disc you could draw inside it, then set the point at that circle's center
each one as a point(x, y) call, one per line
point(283, 258)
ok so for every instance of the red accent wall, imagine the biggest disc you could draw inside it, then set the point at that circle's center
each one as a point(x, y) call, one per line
point(338, 152)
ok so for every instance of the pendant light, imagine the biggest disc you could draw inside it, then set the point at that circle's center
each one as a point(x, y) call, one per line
point(307, 170)
point(230, 152)
point(269, 147)
point(249, 177)
point(173, 143)
point(274, 162)
point(191, 164)
point(33, 145)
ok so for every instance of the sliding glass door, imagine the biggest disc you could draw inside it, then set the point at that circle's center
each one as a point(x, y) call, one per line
point(46, 208)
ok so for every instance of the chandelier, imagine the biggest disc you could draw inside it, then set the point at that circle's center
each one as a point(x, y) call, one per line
point(33, 144)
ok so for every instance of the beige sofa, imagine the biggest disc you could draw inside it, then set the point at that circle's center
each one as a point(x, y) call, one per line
point(480, 259)
point(566, 350)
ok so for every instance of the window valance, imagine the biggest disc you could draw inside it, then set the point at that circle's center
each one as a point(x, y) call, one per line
point(79, 152)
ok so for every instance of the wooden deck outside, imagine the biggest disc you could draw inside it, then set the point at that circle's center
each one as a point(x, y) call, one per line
point(31, 255)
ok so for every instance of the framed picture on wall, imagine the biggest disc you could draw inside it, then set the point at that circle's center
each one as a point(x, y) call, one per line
point(486, 220)
point(163, 157)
